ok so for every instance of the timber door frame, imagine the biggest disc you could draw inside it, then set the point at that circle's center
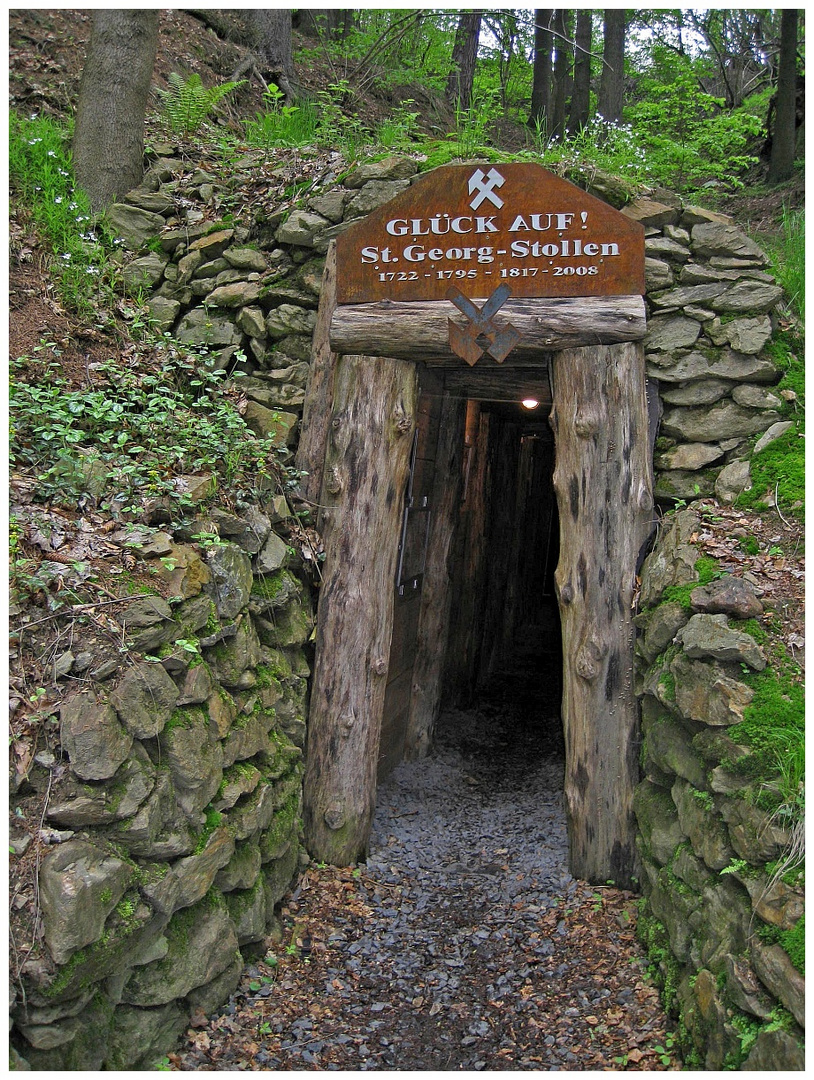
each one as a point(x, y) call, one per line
point(603, 482)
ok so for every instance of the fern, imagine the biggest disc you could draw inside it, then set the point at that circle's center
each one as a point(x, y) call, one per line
point(187, 103)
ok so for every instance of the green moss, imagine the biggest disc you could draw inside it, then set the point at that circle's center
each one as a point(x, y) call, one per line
point(213, 819)
point(180, 718)
point(773, 723)
point(750, 545)
point(668, 681)
point(664, 969)
point(707, 570)
point(793, 941)
point(751, 627)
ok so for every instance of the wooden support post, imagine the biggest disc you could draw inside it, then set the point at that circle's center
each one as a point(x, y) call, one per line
point(604, 486)
point(433, 619)
point(366, 468)
point(319, 390)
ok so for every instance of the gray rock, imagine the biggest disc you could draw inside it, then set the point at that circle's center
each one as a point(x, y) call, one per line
point(728, 595)
point(688, 294)
point(657, 275)
point(79, 886)
point(288, 319)
point(703, 692)
point(301, 228)
point(158, 830)
point(273, 556)
point(274, 424)
point(755, 835)
point(775, 1051)
point(92, 736)
point(663, 624)
point(732, 480)
point(395, 167)
point(243, 258)
point(773, 433)
point(701, 392)
point(700, 822)
point(651, 212)
point(673, 561)
point(670, 332)
point(212, 245)
point(237, 654)
point(156, 202)
point(237, 782)
point(755, 397)
point(746, 336)
point(374, 194)
point(134, 226)
point(331, 205)
point(748, 296)
point(716, 238)
point(780, 977)
point(196, 686)
point(697, 215)
point(195, 874)
point(163, 312)
point(170, 239)
point(141, 1037)
point(709, 636)
point(682, 484)
point(144, 273)
point(192, 752)
point(237, 294)
point(251, 321)
point(722, 420)
point(231, 571)
point(201, 327)
point(723, 364)
point(78, 805)
point(248, 911)
point(242, 870)
point(689, 456)
point(144, 699)
point(658, 821)
point(188, 265)
point(183, 969)
point(660, 247)
point(669, 744)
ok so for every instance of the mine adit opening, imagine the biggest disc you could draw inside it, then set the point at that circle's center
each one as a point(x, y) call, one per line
point(500, 697)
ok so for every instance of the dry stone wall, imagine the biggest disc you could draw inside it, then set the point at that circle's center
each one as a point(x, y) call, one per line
point(704, 843)
point(176, 816)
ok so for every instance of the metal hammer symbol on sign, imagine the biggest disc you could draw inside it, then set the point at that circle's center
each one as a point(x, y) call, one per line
point(481, 334)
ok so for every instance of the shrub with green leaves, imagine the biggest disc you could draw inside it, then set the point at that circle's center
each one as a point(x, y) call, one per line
point(129, 435)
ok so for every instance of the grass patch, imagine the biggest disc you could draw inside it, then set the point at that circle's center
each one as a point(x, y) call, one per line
point(41, 176)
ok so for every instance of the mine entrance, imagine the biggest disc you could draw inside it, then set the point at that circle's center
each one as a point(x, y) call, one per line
point(438, 555)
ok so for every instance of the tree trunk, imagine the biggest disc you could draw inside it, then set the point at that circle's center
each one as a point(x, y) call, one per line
point(366, 471)
point(604, 487)
point(464, 56)
point(108, 143)
point(563, 52)
point(419, 330)
point(612, 81)
point(433, 619)
point(539, 115)
point(781, 165)
point(319, 392)
point(269, 32)
point(581, 96)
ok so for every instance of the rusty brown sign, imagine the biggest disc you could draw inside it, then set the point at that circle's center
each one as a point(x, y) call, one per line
point(480, 226)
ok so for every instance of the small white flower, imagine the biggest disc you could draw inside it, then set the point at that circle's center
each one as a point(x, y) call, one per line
point(57, 199)
point(67, 256)
point(52, 153)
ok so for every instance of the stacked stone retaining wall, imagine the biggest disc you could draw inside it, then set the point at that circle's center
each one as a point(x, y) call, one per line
point(703, 841)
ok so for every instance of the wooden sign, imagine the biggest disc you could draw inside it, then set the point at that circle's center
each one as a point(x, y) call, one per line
point(477, 227)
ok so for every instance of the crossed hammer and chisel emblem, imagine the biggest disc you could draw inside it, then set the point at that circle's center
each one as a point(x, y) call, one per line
point(481, 334)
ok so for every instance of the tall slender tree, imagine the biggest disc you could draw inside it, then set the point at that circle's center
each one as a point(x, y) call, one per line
point(464, 55)
point(563, 59)
point(612, 80)
point(540, 112)
point(581, 95)
point(108, 142)
point(781, 164)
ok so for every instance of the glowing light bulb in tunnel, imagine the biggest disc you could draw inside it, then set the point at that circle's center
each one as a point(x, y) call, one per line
point(530, 403)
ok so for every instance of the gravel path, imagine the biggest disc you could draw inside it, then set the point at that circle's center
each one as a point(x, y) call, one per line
point(463, 943)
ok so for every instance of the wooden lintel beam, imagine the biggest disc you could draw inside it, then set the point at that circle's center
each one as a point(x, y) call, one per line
point(419, 330)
